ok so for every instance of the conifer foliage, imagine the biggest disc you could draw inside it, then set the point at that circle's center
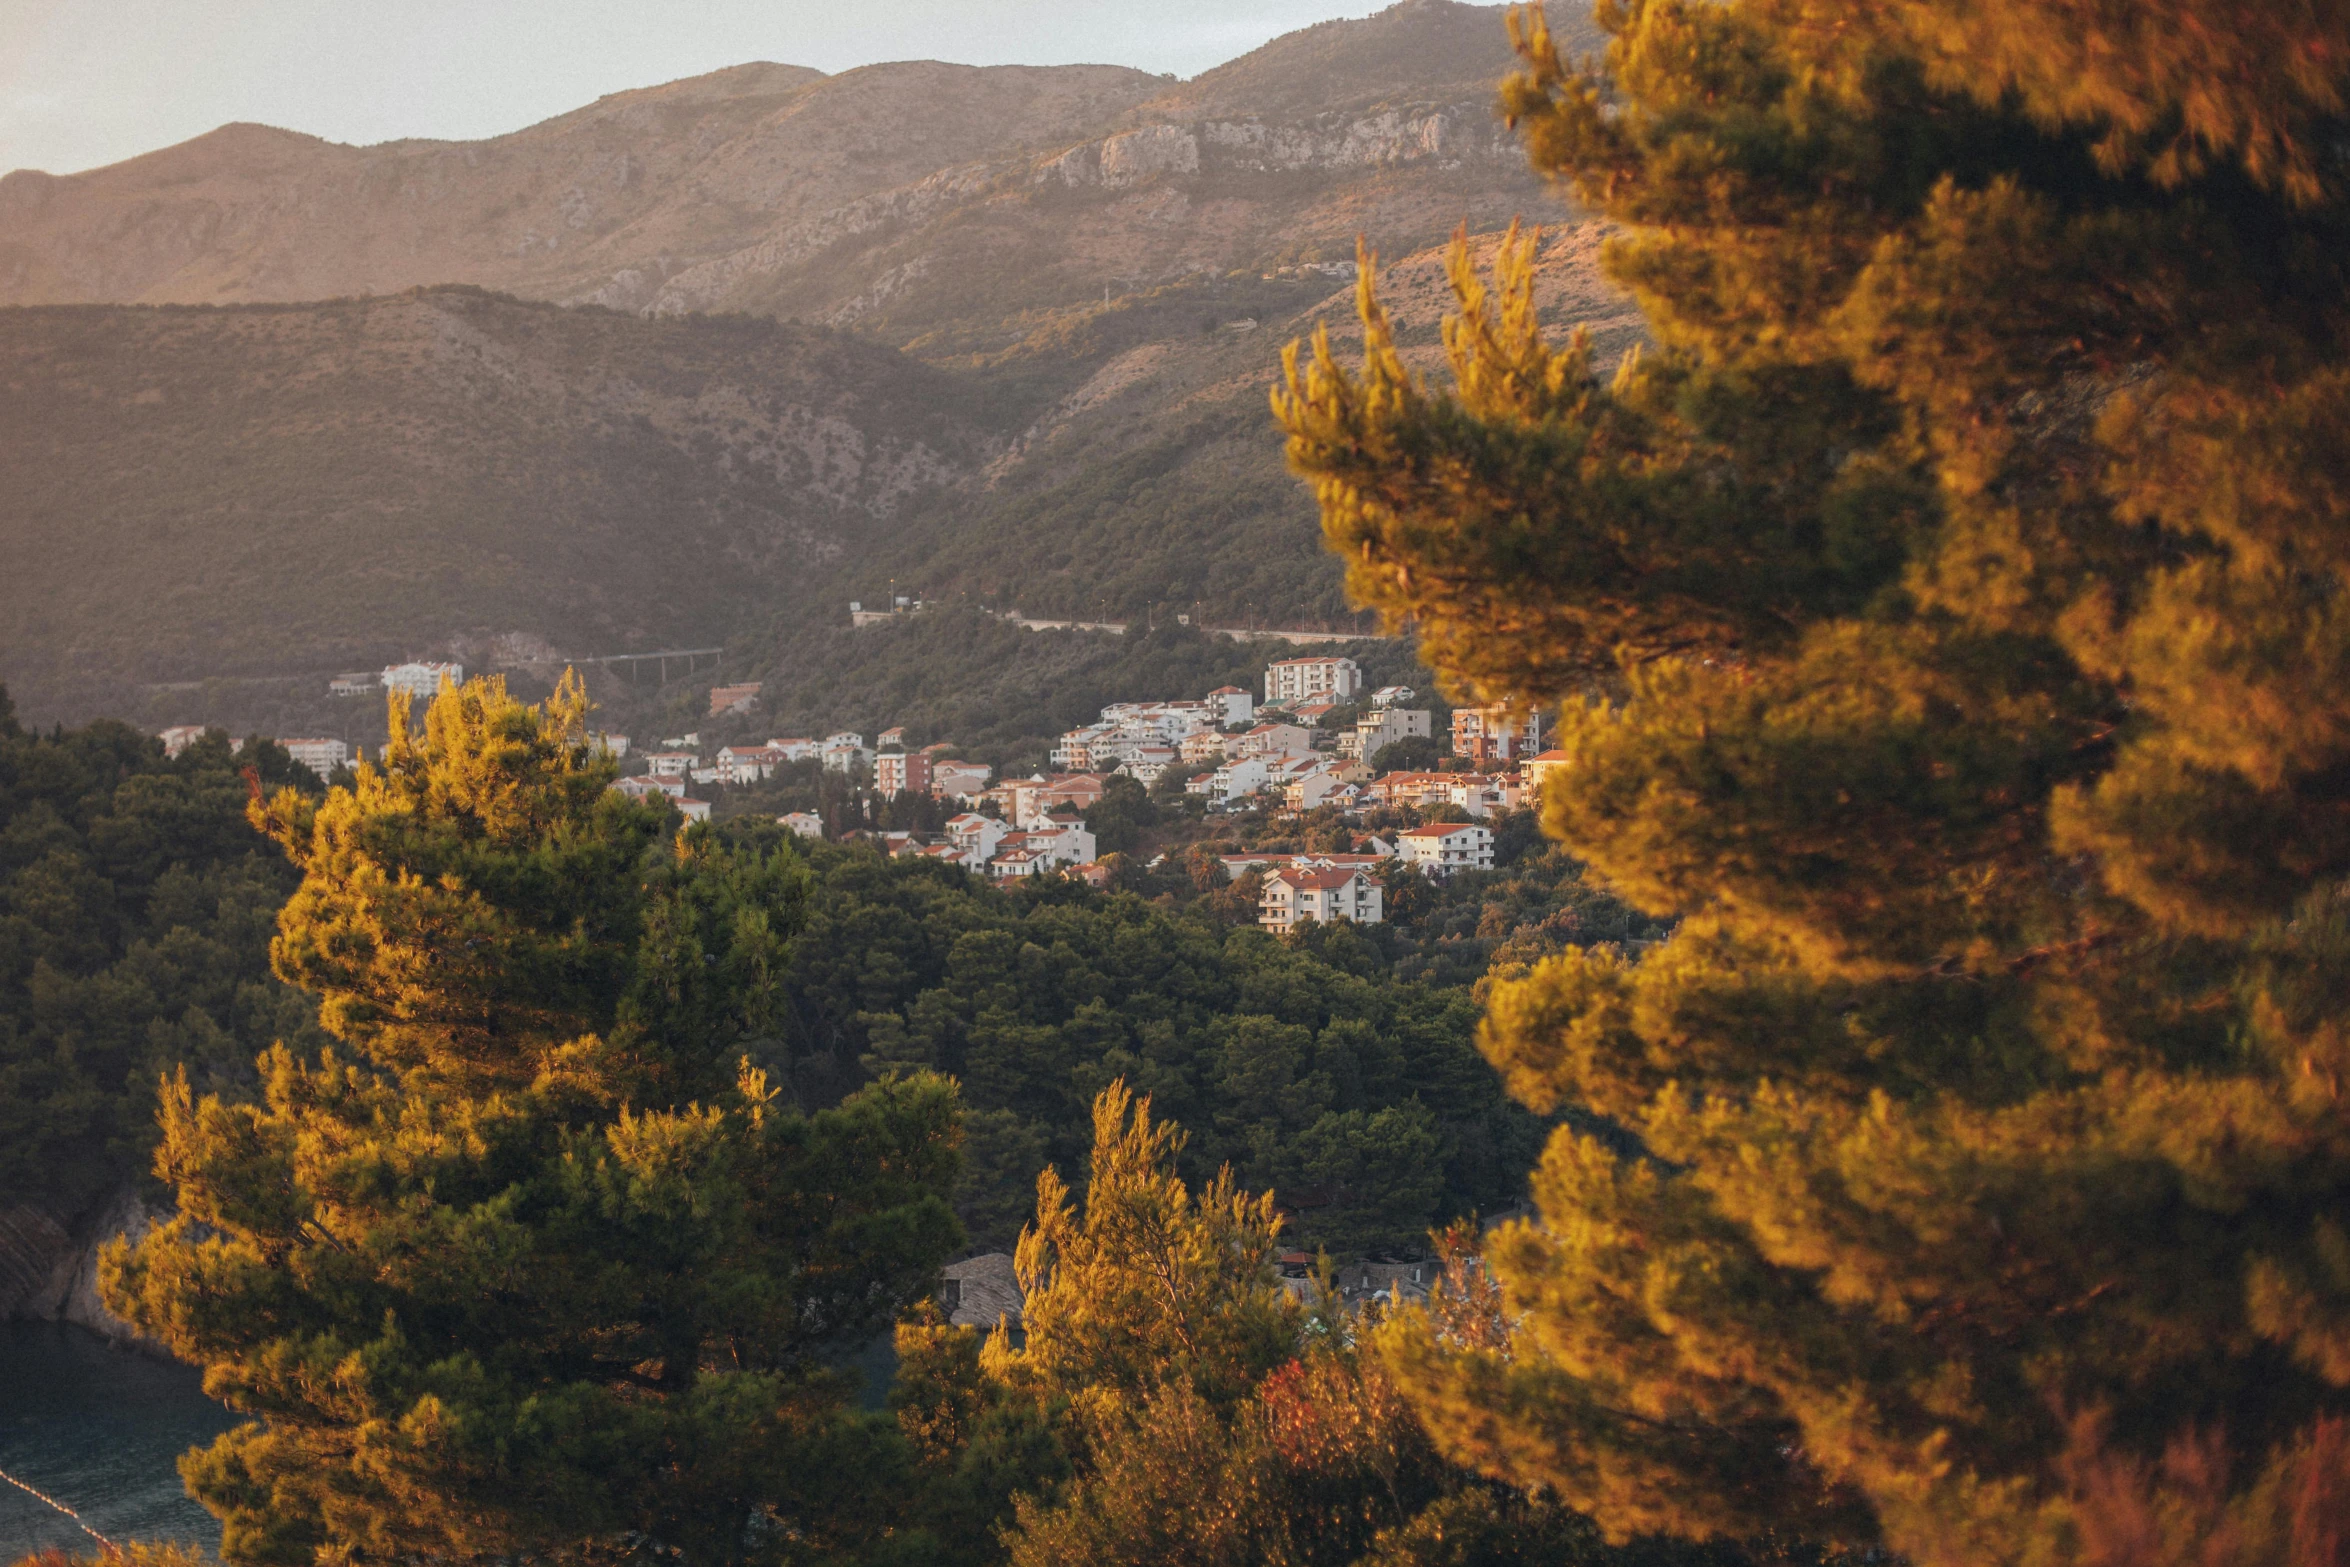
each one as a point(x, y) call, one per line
point(531, 1264)
point(1951, 621)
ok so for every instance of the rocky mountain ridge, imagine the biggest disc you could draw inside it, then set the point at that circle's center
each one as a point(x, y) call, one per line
point(1000, 334)
point(782, 191)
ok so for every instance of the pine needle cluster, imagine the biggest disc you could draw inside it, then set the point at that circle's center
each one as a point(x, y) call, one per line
point(1950, 622)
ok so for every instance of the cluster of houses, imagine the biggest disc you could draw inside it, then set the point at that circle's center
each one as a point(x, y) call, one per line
point(1228, 747)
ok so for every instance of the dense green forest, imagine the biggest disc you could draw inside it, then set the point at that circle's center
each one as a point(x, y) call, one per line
point(1336, 1066)
point(1311, 1064)
point(566, 1240)
point(136, 907)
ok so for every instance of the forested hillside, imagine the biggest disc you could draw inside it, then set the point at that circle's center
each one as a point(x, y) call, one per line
point(1037, 312)
point(136, 907)
point(192, 494)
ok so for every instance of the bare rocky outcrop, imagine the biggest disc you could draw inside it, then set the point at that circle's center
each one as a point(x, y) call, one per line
point(782, 191)
point(49, 1268)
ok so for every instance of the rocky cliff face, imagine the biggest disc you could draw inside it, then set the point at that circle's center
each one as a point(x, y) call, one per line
point(918, 200)
point(49, 1268)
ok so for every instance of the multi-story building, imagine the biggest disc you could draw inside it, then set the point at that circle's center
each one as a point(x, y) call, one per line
point(1314, 788)
point(1375, 731)
point(1303, 679)
point(797, 748)
point(1074, 751)
point(1229, 705)
point(1237, 778)
point(805, 823)
point(359, 683)
point(745, 764)
point(844, 752)
point(320, 756)
point(1446, 847)
point(1389, 696)
point(1081, 790)
point(1273, 740)
point(1496, 736)
point(1041, 849)
point(179, 737)
point(1150, 763)
point(641, 787)
point(1206, 746)
point(422, 678)
point(895, 773)
point(1543, 768)
point(976, 836)
point(670, 764)
point(957, 780)
point(1291, 895)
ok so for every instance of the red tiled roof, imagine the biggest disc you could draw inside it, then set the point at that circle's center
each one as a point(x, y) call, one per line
point(1313, 881)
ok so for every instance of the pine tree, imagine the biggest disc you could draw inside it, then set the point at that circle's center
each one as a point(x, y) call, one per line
point(1950, 620)
point(1151, 1284)
point(538, 1267)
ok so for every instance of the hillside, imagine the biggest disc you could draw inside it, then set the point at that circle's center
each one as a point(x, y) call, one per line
point(191, 494)
point(926, 202)
point(1032, 316)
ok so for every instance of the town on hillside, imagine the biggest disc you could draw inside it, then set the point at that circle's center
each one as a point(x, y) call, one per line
point(1315, 743)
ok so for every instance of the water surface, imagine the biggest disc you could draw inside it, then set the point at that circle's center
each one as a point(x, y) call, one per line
point(100, 1430)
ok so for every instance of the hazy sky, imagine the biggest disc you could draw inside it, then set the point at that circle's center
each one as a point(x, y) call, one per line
point(90, 82)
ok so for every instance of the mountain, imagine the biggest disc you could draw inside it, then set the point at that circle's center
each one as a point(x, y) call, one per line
point(925, 201)
point(1039, 307)
point(193, 494)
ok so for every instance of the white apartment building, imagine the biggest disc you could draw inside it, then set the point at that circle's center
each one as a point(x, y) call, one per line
point(975, 837)
point(1240, 777)
point(1034, 852)
point(1230, 705)
point(422, 679)
point(806, 823)
point(320, 756)
point(640, 788)
point(798, 748)
point(1302, 679)
point(179, 737)
point(844, 753)
point(1375, 731)
point(670, 764)
point(1273, 740)
point(1291, 895)
point(957, 780)
point(1149, 763)
point(1446, 847)
point(743, 764)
